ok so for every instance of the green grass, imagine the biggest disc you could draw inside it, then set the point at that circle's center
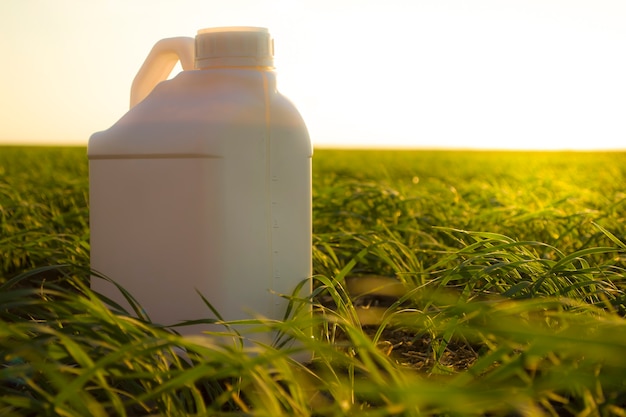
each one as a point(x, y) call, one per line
point(513, 264)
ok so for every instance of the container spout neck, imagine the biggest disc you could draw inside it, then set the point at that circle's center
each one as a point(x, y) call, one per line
point(223, 47)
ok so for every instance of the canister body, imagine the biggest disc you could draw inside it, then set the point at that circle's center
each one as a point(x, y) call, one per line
point(203, 187)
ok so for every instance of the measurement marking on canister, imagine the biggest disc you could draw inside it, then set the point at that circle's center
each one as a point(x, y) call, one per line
point(276, 265)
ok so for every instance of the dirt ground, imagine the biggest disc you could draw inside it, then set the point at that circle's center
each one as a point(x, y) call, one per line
point(371, 296)
point(416, 351)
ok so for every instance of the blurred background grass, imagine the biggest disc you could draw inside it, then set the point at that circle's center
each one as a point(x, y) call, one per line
point(513, 265)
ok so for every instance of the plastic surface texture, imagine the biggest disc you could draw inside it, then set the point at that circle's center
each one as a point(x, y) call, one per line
point(204, 186)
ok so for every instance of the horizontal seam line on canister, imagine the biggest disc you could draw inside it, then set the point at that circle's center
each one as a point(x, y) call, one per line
point(156, 156)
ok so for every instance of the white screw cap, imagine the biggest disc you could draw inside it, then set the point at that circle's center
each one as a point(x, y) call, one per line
point(237, 46)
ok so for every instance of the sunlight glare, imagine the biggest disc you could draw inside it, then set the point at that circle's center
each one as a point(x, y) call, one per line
point(520, 74)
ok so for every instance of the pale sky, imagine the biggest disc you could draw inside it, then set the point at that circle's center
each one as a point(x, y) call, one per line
point(540, 74)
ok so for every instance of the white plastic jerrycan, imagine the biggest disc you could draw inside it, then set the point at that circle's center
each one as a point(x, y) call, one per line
point(204, 185)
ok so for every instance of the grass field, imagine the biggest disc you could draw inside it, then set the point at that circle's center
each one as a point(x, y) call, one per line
point(512, 264)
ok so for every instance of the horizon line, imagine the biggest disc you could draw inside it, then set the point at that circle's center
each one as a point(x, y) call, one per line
point(348, 147)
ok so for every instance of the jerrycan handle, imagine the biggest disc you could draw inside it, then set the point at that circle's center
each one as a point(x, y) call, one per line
point(159, 63)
